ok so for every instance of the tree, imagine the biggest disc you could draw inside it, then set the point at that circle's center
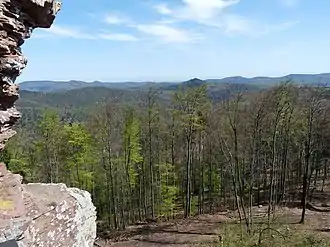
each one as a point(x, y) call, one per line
point(155, 158)
point(189, 104)
point(79, 156)
point(314, 109)
point(132, 154)
point(48, 147)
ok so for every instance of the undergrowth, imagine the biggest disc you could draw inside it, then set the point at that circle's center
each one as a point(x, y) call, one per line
point(232, 235)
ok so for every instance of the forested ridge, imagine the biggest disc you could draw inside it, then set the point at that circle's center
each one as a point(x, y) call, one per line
point(152, 159)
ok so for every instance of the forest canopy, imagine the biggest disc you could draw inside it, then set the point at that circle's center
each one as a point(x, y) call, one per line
point(148, 158)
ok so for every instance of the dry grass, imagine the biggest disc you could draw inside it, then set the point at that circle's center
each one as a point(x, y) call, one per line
point(278, 235)
point(206, 230)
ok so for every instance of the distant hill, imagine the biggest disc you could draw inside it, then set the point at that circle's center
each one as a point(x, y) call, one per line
point(76, 98)
point(309, 79)
point(77, 104)
point(195, 82)
point(61, 86)
point(86, 97)
point(73, 104)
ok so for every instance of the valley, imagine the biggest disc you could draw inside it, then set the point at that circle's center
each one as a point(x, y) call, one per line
point(186, 166)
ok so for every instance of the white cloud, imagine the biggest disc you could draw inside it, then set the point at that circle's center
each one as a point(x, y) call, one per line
point(113, 19)
point(214, 13)
point(289, 3)
point(196, 10)
point(163, 9)
point(238, 25)
point(166, 21)
point(210, 13)
point(234, 24)
point(118, 37)
point(281, 27)
point(205, 9)
point(167, 33)
point(69, 32)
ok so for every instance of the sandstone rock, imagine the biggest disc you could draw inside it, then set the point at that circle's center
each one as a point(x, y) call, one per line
point(34, 214)
point(17, 20)
point(45, 214)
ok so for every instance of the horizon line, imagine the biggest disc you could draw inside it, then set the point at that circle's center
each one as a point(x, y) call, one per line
point(168, 81)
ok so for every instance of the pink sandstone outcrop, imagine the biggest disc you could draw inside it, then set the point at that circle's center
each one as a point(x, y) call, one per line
point(43, 215)
point(18, 18)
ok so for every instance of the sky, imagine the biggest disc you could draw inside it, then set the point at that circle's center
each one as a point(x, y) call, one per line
point(175, 40)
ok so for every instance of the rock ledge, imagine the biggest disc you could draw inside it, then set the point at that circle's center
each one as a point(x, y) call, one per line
point(45, 214)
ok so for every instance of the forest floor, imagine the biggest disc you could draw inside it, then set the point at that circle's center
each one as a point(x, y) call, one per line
point(205, 230)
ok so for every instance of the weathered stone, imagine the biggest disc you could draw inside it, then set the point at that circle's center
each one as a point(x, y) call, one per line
point(18, 18)
point(45, 214)
point(34, 214)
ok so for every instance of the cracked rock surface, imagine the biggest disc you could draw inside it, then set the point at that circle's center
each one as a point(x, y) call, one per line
point(18, 18)
point(45, 214)
point(41, 215)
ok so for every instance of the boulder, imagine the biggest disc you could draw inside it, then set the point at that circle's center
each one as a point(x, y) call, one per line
point(45, 214)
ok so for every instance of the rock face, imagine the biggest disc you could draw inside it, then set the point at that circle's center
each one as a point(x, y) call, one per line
point(34, 214)
point(45, 214)
point(17, 20)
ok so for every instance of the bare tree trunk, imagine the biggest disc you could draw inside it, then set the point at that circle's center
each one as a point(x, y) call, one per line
point(188, 176)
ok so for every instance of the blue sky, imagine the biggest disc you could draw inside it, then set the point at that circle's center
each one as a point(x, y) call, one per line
point(170, 40)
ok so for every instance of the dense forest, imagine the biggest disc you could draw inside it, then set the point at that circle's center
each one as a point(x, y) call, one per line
point(150, 159)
